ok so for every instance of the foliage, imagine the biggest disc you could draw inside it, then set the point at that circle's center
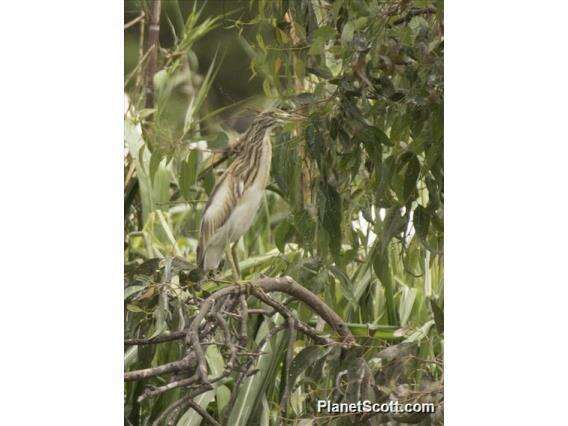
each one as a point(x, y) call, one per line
point(354, 210)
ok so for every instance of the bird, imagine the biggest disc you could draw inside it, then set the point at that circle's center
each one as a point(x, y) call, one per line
point(236, 197)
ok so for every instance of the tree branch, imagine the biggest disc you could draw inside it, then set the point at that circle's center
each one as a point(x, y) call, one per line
point(289, 286)
point(259, 289)
point(171, 367)
point(174, 335)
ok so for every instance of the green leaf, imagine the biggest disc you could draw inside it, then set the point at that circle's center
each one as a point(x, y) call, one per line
point(407, 299)
point(346, 284)
point(381, 136)
point(254, 386)
point(283, 233)
point(208, 182)
point(133, 289)
point(286, 170)
point(188, 174)
point(324, 32)
point(217, 366)
point(314, 140)
point(420, 333)
point(191, 417)
point(372, 139)
point(305, 227)
point(133, 308)
point(130, 357)
point(347, 33)
point(330, 214)
point(385, 178)
point(220, 140)
point(146, 112)
point(305, 359)
point(155, 160)
point(438, 311)
point(383, 272)
point(411, 176)
point(421, 221)
point(265, 414)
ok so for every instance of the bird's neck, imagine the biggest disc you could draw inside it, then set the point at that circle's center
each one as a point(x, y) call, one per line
point(258, 142)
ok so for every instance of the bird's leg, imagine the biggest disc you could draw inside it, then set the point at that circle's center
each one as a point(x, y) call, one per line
point(234, 268)
point(235, 258)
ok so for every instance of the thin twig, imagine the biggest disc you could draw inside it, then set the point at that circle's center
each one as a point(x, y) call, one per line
point(174, 335)
point(204, 414)
point(244, 320)
point(134, 21)
point(136, 68)
point(286, 313)
point(172, 385)
point(182, 402)
point(171, 367)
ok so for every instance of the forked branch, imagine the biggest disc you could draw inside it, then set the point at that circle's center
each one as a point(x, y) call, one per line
point(216, 313)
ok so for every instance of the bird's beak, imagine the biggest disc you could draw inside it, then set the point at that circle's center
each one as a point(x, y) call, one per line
point(287, 116)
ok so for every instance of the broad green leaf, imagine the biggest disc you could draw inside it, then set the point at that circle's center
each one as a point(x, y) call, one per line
point(283, 233)
point(438, 312)
point(372, 145)
point(421, 222)
point(406, 303)
point(385, 177)
point(188, 174)
point(155, 160)
point(384, 274)
point(130, 357)
point(254, 386)
point(346, 284)
point(191, 417)
point(217, 366)
point(208, 182)
point(314, 139)
point(305, 359)
point(133, 308)
point(411, 177)
point(420, 333)
point(324, 32)
point(330, 214)
point(265, 414)
point(133, 289)
point(347, 33)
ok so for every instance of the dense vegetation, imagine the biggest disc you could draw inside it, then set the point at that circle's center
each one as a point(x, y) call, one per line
point(353, 212)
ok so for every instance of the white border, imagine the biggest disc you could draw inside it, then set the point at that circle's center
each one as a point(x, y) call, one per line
point(506, 258)
point(61, 237)
point(61, 174)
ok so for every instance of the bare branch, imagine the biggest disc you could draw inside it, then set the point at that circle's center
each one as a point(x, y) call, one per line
point(174, 335)
point(180, 403)
point(172, 367)
point(289, 286)
point(204, 414)
point(134, 21)
point(172, 385)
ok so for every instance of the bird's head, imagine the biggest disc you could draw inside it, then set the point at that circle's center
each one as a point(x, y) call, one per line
point(277, 116)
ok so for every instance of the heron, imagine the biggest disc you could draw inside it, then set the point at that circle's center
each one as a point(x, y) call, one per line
point(236, 197)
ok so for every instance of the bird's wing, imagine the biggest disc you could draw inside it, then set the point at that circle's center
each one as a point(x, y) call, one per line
point(218, 209)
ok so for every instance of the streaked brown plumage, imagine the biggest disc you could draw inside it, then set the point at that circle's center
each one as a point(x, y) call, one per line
point(233, 204)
